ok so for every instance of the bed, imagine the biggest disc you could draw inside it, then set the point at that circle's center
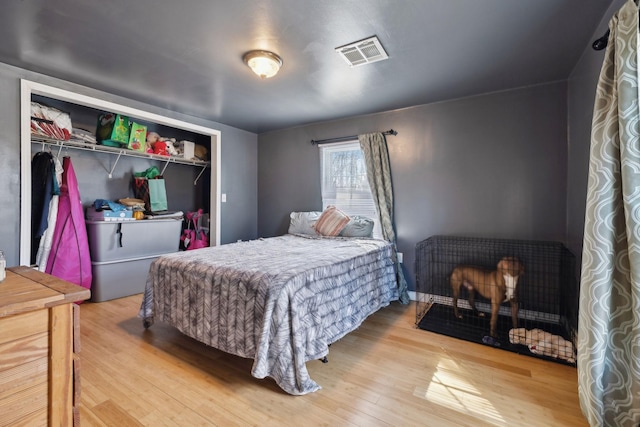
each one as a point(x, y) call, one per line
point(280, 301)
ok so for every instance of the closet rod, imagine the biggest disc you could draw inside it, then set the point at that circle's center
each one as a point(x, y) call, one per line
point(347, 138)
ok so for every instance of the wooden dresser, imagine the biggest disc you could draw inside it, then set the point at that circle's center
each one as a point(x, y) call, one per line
point(39, 342)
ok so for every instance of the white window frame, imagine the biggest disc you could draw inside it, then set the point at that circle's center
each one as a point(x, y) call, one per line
point(352, 201)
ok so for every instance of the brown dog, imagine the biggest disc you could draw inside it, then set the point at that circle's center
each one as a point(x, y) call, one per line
point(497, 285)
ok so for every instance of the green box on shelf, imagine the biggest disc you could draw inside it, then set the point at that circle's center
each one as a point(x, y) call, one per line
point(113, 130)
point(138, 137)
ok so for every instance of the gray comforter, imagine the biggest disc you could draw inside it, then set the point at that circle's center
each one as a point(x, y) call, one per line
point(279, 301)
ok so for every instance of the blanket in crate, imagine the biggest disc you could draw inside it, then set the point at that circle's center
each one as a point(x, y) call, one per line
point(280, 301)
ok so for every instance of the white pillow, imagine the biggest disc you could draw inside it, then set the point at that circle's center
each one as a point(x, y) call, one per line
point(303, 222)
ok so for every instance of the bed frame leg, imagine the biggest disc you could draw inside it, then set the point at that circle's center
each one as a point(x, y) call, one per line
point(324, 360)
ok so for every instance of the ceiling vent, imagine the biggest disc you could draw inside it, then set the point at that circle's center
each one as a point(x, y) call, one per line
point(363, 52)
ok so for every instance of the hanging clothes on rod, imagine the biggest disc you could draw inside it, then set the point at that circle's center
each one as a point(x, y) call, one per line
point(46, 239)
point(43, 187)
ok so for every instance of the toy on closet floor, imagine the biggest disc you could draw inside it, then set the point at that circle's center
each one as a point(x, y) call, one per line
point(543, 343)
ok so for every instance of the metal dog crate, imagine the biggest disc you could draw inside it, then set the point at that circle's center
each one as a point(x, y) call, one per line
point(547, 292)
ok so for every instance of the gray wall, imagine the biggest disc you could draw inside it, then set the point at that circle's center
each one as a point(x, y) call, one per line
point(486, 166)
point(238, 174)
point(582, 90)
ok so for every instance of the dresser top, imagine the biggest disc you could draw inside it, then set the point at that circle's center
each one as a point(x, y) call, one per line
point(26, 289)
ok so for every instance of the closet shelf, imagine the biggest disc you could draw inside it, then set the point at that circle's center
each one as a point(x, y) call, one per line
point(77, 144)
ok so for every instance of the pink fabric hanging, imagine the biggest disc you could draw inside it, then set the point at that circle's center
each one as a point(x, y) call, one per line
point(69, 258)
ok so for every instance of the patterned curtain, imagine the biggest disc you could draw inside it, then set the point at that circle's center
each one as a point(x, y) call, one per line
point(609, 318)
point(376, 156)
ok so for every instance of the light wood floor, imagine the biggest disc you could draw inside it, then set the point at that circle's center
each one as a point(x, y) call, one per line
point(386, 373)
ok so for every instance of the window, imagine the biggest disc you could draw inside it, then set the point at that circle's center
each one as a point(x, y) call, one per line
point(344, 181)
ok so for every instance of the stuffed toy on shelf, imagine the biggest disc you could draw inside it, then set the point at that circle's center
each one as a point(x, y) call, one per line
point(157, 144)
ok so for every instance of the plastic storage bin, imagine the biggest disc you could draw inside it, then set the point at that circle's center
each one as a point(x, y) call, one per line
point(121, 253)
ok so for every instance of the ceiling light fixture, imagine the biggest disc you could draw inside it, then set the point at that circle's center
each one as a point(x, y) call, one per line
point(264, 63)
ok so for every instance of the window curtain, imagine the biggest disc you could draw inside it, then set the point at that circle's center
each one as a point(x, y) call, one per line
point(376, 157)
point(609, 316)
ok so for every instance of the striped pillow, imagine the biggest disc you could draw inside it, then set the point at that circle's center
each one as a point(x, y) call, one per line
point(331, 222)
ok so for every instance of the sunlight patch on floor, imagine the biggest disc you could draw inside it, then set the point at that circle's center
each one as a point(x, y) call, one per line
point(450, 387)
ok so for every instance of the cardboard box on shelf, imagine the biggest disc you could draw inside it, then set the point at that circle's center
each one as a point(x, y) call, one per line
point(188, 149)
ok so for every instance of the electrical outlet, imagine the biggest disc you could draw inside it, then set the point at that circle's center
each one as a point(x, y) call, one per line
point(223, 198)
point(400, 257)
